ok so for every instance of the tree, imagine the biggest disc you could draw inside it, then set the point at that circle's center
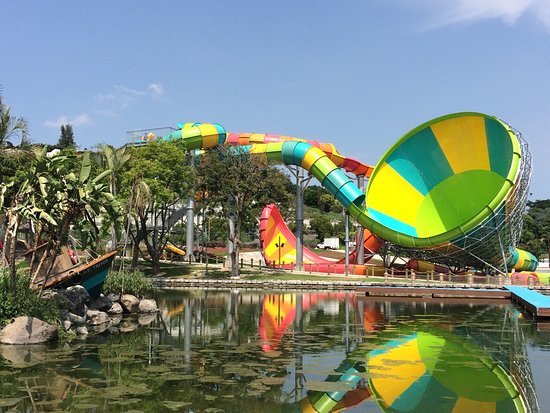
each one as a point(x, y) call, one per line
point(158, 178)
point(117, 161)
point(10, 126)
point(321, 224)
point(55, 194)
point(66, 139)
point(239, 185)
point(536, 228)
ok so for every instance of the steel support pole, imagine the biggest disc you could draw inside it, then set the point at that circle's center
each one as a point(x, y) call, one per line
point(190, 238)
point(299, 220)
point(346, 241)
point(360, 246)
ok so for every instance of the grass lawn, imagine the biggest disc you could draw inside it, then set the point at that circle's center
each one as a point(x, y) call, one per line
point(181, 270)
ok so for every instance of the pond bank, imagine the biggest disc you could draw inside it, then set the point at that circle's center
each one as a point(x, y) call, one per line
point(286, 284)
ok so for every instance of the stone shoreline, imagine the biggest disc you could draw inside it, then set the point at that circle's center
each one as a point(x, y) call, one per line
point(81, 315)
point(351, 285)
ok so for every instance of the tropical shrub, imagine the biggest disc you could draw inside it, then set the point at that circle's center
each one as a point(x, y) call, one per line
point(25, 302)
point(128, 282)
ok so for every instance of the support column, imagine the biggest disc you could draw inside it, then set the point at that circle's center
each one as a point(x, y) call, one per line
point(189, 241)
point(360, 246)
point(301, 184)
point(346, 241)
point(299, 220)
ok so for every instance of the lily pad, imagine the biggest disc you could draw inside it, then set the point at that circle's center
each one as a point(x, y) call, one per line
point(9, 402)
point(175, 405)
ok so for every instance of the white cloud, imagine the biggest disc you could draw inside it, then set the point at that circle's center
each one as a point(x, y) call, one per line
point(157, 89)
point(78, 120)
point(122, 97)
point(130, 92)
point(446, 12)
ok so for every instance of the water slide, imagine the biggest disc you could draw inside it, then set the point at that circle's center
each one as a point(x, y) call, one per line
point(279, 247)
point(451, 191)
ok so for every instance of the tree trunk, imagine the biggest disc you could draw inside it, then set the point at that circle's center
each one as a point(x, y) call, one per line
point(45, 255)
point(34, 246)
point(10, 245)
point(136, 241)
point(232, 247)
point(57, 251)
point(236, 248)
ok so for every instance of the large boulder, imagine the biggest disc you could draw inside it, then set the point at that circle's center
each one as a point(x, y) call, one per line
point(130, 303)
point(28, 330)
point(76, 299)
point(148, 306)
point(96, 317)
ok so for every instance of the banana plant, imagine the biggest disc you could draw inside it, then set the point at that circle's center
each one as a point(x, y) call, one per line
point(53, 196)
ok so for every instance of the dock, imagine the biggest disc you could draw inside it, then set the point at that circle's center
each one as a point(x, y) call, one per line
point(435, 292)
point(533, 301)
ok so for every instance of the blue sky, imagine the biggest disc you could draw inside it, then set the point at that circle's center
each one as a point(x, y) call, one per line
point(359, 74)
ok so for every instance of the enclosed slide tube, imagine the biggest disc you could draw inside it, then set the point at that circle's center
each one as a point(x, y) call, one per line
point(451, 190)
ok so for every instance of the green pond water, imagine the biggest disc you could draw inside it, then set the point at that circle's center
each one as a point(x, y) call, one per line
point(257, 351)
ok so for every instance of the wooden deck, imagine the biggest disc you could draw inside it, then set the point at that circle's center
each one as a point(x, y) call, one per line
point(533, 301)
point(434, 292)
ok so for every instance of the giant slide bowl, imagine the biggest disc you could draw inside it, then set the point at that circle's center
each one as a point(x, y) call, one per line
point(452, 185)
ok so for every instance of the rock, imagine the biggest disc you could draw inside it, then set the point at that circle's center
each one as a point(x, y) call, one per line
point(73, 318)
point(81, 331)
point(74, 299)
point(60, 296)
point(130, 303)
point(114, 297)
point(148, 306)
point(116, 308)
point(102, 303)
point(96, 317)
point(78, 294)
point(66, 325)
point(28, 330)
point(146, 319)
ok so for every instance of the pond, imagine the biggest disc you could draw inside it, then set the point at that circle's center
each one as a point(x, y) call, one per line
point(257, 351)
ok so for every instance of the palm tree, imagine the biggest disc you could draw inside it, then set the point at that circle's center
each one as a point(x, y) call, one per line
point(113, 159)
point(10, 126)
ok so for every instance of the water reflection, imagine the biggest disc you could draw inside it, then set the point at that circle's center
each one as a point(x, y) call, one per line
point(247, 351)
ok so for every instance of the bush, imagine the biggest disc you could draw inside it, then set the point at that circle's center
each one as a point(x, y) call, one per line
point(128, 282)
point(25, 302)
